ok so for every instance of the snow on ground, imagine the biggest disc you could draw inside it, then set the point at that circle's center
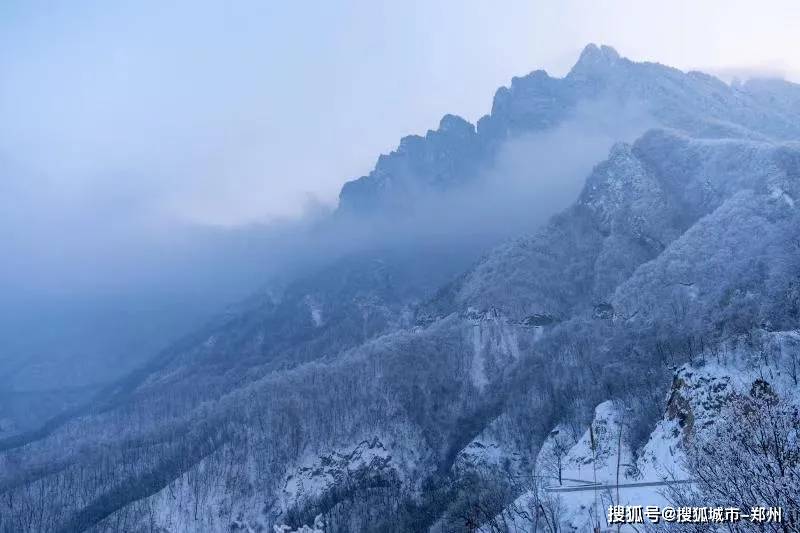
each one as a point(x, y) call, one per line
point(495, 343)
point(591, 465)
point(315, 311)
point(601, 457)
point(319, 474)
point(590, 468)
point(488, 453)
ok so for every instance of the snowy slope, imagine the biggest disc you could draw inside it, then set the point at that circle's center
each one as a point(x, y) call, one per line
point(696, 405)
point(345, 397)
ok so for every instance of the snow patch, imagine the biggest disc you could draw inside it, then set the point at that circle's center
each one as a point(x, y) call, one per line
point(317, 475)
point(777, 193)
point(315, 311)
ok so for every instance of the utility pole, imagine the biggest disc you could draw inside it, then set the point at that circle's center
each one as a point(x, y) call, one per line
point(619, 458)
point(594, 476)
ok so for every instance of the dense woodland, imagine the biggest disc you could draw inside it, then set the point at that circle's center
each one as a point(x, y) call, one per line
point(364, 396)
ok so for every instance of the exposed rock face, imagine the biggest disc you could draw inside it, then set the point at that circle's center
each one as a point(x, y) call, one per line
point(419, 166)
point(358, 396)
point(457, 152)
point(330, 476)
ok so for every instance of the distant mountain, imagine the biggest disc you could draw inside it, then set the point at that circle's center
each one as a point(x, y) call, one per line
point(693, 102)
point(395, 390)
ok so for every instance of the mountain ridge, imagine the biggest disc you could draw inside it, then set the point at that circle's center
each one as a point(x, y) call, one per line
point(535, 334)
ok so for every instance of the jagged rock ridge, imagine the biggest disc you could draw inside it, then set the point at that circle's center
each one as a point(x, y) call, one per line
point(420, 405)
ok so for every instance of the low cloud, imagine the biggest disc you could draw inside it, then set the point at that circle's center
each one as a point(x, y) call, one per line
point(107, 247)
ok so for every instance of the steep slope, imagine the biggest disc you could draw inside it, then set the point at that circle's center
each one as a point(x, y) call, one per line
point(335, 399)
point(420, 396)
point(458, 152)
point(578, 479)
point(633, 206)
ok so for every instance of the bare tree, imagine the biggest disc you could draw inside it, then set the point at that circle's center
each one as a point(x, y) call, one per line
point(752, 460)
point(560, 443)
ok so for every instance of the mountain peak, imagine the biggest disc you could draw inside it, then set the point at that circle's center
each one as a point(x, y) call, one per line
point(594, 58)
point(455, 124)
point(592, 52)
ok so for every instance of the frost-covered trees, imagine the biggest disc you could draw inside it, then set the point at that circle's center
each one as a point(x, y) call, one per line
point(751, 459)
point(318, 527)
point(555, 451)
point(677, 244)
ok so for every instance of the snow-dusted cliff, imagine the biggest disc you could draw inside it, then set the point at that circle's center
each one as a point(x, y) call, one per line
point(387, 393)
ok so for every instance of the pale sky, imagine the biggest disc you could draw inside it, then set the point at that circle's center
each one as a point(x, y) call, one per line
point(225, 113)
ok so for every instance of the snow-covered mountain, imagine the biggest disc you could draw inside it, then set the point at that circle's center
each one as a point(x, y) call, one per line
point(395, 390)
point(692, 102)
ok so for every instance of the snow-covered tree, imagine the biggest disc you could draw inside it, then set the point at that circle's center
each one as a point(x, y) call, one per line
point(752, 459)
